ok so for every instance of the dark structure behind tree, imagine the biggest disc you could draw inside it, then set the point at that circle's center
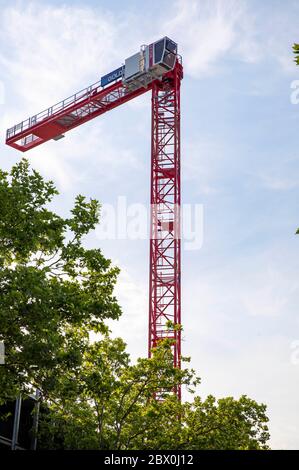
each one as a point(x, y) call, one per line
point(22, 426)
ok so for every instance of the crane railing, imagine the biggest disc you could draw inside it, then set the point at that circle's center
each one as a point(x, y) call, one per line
point(20, 130)
point(80, 107)
point(57, 107)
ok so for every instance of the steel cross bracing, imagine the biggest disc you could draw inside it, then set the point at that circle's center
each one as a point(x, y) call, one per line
point(81, 107)
point(165, 246)
point(165, 256)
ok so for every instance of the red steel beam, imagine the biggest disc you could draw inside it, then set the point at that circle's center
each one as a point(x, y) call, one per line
point(165, 244)
point(68, 114)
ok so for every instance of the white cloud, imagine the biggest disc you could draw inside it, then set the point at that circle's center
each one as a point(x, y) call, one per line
point(83, 155)
point(281, 175)
point(132, 326)
point(204, 163)
point(277, 183)
point(207, 30)
point(53, 49)
point(268, 291)
point(256, 285)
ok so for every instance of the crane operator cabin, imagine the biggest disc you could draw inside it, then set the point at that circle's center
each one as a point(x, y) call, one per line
point(150, 63)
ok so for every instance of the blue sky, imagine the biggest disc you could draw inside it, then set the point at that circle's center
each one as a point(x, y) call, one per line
point(240, 159)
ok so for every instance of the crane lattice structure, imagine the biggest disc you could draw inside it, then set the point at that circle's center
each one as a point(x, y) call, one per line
point(156, 68)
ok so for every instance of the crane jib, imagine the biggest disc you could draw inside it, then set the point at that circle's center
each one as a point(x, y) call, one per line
point(110, 77)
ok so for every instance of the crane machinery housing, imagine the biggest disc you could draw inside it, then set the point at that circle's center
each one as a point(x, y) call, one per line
point(157, 67)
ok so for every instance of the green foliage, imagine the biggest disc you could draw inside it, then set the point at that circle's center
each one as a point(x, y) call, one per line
point(54, 293)
point(226, 424)
point(118, 399)
point(53, 290)
point(296, 53)
point(116, 405)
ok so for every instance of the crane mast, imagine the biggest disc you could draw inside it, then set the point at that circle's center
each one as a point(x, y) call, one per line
point(158, 68)
point(165, 248)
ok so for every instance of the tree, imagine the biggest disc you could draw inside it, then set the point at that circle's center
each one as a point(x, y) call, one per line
point(226, 424)
point(54, 292)
point(115, 406)
point(296, 52)
point(116, 401)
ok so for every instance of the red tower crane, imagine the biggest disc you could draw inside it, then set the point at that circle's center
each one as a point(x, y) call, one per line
point(156, 67)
